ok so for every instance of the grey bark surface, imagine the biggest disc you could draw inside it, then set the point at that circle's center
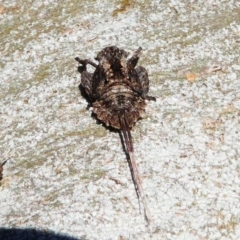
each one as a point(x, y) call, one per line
point(65, 174)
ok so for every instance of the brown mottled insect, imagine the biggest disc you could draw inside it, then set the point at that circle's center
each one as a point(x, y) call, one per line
point(117, 91)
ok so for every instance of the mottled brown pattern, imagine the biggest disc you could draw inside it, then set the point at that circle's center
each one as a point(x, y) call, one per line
point(117, 91)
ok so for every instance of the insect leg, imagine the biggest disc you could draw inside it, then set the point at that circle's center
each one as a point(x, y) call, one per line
point(86, 82)
point(144, 82)
point(84, 62)
point(132, 62)
point(86, 77)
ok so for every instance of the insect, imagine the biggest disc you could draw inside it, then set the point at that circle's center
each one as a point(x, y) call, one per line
point(117, 91)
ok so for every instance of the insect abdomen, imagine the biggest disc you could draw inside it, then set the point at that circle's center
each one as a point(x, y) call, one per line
point(119, 99)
